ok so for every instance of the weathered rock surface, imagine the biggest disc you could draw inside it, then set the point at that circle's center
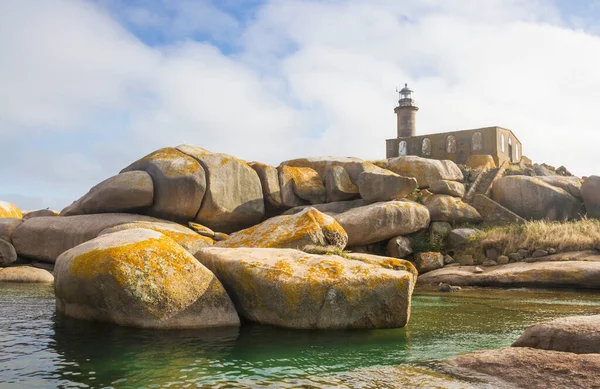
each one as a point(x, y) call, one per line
point(7, 227)
point(39, 213)
point(426, 171)
point(289, 198)
point(450, 209)
point(186, 238)
point(140, 278)
point(530, 368)
point(234, 196)
point(45, 238)
point(382, 221)
point(321, 164)
point(481, 161)
point(8, 210)
point(202, 230)
point(574, 334)
point(25, 274)
point(535, 199)
point(426, 262)
point(570, 184)
point(399, 247)
point(384, 185)
point(330, 208)
point(308, 184)
point(8, 254)
point(571, 274)
point(309, 227)
point(293, 289)
point(125, 192)
point(338, 185)
point(445, 187)
point(269, 180)
point(179, 183)
point(385, 262)
point(590, 191)
point(440, 230)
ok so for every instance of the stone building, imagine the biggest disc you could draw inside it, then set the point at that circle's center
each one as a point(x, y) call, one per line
point(457, 146)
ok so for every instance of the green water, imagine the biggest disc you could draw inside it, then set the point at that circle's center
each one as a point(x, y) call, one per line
point(40, 349)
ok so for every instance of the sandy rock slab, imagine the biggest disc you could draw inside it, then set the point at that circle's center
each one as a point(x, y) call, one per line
point(292, 289)
point(25, 274)
point(574, 334)
point(572, 274)
point(140, 278)
point(528, 368)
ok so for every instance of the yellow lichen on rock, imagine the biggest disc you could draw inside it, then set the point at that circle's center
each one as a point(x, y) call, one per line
point(308, 184)
point(481, 161)
point(309, 227)
point(8, 210)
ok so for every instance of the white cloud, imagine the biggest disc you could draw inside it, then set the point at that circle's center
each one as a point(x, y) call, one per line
point(310, 78)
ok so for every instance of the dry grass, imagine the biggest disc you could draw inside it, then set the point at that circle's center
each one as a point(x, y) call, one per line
point(563, 236)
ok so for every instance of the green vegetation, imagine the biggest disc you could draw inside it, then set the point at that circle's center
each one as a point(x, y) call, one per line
point(426, 243)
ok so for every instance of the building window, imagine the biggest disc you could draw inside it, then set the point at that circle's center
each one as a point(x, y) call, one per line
point(477, 141)
point(451, 144)
point(402, 148)
point(502, 142)
point(426, 147)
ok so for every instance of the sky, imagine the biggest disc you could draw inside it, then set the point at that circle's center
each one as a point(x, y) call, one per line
point(87, 87)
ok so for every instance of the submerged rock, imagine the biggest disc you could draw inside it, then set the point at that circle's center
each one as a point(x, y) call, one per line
point(307, 228)
point(140, 278)
point(25, 274)
point(293, 289)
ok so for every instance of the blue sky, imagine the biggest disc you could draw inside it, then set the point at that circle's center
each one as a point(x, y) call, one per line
point(90, 86)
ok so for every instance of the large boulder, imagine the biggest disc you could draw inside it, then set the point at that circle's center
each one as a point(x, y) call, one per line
point(573, 334)
point(481, 161)
point(307, 228)
point(234, 196)
point(140, 278)
point(8, 254)
point(190, 240)
point(382, 221)
point(426, 171)
point(445, 187)
point(571, 184)
point(321, 164)
point(126, 192)
point(521, 367)
point(385, 262)
point(426, 262)
point(330, 208)
point(399, 247)
point(450, 209)
point(289, 198)
point(338, 185)
point(269, 180)
point(179, 184)
point(45, 238)
point(458, 237)
point(25, 274)
point(532, 198)
point(293, 289)
point(590, 191)
point(8, 210)
point(307, 183)
point(7, 228)
point(384, 185)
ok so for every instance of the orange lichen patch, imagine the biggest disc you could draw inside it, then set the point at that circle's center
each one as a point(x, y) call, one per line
point(481, 161)
point(175, 163)
point(307, 182)
point(8, 210)
point(182, 235)
point(386, 262)
point(291, 231)
point(156, 272)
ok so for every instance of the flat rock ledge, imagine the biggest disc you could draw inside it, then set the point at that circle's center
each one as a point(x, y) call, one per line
point(523, 367)
point(25, 274)
point(570, 274)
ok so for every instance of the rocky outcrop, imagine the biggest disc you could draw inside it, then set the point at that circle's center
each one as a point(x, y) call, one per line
point(382, 221)
point(338, 185)
point(590, 191)
point(126, 192)
point(570, 184)
point(8, 254)
point(269, 180)
point(330, 208)
point(307, 184)
point(289, 198)
point(426, 171)
point(321, 164)
point(25, 274)
point(186, 238)
point(535, 199)
point(531, 368)
point(481, 161)
point(570, 274)
point(234, 195)
point(293, 289)
point(459, 236)
point(445, 187)
point(307, 228)
point(140, 278)
point(384, 185)
point(179, 183)
point(45, 238)
point(399, 247)
point(573, 334)
point(7, 228)
point(8, 210)
point(451, 209)
point(426, 262)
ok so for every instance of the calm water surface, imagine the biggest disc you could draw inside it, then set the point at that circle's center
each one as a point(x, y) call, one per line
point(39, 349)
